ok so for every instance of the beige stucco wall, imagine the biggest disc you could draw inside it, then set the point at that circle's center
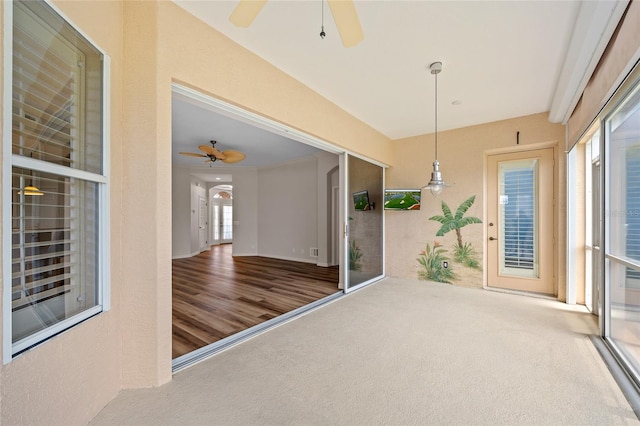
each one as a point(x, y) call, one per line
point(70, 377)
point(165, 44)
point(462, 153)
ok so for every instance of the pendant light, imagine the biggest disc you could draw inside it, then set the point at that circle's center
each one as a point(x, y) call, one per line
point(436, 184)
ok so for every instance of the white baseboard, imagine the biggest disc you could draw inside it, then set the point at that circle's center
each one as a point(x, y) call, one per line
point(184, 256)
point(245, 254)
point(293, 259)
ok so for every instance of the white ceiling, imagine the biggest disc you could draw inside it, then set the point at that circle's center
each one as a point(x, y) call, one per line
point(501, 59)
point(195, 123)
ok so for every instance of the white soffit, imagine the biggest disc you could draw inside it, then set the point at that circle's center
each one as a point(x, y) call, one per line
point(595, 24)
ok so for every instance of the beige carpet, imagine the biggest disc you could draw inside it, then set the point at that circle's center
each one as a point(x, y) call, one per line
point(399, 352)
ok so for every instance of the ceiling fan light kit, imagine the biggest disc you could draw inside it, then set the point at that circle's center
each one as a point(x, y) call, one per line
point(436, 184)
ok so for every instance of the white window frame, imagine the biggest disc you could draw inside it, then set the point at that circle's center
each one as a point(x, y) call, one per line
point(9, 350)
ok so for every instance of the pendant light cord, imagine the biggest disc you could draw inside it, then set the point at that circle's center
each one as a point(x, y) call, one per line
point(436, 115)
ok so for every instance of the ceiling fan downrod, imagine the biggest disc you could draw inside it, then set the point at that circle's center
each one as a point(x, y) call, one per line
point(322, 33)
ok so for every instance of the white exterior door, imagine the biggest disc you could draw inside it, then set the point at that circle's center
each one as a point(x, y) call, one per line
point(520, 221)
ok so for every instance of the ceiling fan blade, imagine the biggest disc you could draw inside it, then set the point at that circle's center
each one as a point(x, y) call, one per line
point(246, 11)
point(233, 156)
point(192, 154)
point(212, 151)
point(346, 17)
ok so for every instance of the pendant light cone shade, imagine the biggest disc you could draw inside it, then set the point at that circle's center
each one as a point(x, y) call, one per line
point(436, 184)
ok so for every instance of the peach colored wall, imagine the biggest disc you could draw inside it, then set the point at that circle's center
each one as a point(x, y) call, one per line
point(146, 162)
point(192, 53)
point(163, 44)
point(68, 379)
point(461, 153)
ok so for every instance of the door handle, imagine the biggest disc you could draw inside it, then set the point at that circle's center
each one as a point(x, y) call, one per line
point(492, 239)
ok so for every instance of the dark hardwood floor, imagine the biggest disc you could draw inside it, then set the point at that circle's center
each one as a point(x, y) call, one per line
point(216, 295)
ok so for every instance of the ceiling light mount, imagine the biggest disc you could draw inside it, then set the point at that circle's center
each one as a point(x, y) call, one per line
point(435, 67)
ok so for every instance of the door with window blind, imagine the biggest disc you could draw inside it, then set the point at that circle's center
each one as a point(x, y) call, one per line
point(520, 221)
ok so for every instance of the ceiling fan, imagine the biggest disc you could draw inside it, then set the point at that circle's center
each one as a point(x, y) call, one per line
point(343, 11)
point(212, 154)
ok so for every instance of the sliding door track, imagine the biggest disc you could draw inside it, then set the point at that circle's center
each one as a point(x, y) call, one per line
point(208, 351)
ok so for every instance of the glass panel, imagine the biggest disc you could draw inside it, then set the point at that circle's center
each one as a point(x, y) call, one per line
point(216, 222)
point(57, 91)
point(54, 249)
point(518, 218)
point(365, 221)
point(624, 311)
point(596, 224)
point(227, 222)
point(622, 226)
point(623, 213)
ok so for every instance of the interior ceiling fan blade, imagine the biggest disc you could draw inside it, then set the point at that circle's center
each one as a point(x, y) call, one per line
point(212, 151)
point(233, 156)
point(192, 154)
point(246, 11)
point(346, 17)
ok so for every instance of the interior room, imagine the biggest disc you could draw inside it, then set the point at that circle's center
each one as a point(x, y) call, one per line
point(217, 221)
point(463, 175)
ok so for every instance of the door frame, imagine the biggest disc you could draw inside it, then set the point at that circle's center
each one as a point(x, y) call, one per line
point(555, 226)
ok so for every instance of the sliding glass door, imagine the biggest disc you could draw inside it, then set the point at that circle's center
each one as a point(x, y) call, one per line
point(622, 229)
point(364, 223)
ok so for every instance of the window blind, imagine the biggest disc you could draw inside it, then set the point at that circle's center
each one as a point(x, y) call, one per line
point(518, 188)
point(632, 213)
point(56, 119)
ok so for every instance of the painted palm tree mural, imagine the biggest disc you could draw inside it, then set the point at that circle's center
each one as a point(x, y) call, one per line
point(434, 261)
point(463, 252)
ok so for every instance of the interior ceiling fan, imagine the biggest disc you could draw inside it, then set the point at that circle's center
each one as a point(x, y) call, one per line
point(213, 154)
point(343, 11)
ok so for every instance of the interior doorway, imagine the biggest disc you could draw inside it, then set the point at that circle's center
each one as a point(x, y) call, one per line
point(520, 195)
